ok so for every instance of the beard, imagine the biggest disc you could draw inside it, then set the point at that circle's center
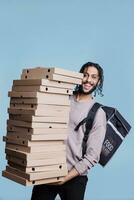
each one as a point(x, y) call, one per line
point(81, 91)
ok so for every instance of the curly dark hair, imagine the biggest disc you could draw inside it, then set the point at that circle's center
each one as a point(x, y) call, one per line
point(99, 88)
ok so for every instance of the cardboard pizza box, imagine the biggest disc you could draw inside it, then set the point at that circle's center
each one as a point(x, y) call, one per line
point(26, 169)
point(43, 89)
point(46, 98)
point(44, 107)
point(43, 137)
point(30, 118)
point(35, 94)
point(40, 112)
point(53, 77)
point(35, 131)
point(43, 175)
point(33, 162)
point(25, 182)
point(37, 175)
point(43, 82)
point(39, 71)
point(36, 124)
point(32, 149)
point(35, 155)
point(25, 139)
point(11, 139)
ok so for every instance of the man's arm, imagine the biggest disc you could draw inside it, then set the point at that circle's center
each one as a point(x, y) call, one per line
point(71, 174)
point(94, 145)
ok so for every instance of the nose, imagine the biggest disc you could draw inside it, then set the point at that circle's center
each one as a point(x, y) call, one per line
point(89, 79)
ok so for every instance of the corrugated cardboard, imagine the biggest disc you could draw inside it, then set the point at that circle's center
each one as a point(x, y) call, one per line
point(37, 175)
point(40, 112)
point(44, 82)
point(39, 71)
point(31, 149)
point(38, 168)
point(30, 118)
point(38, 131)
point(35, 124)
point(44, 89)
point(25, 182)
point(34, 163)
point(35, 155)
point(46, 137)
point(54, 99)
point(53, 77)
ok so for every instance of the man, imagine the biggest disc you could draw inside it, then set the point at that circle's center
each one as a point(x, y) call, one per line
point(74, 184)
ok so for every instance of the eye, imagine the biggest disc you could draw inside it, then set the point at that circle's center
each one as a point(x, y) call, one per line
point(94, 77)
point(85, 75)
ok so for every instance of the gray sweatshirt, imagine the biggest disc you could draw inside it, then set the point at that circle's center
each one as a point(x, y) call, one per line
point(79, 111)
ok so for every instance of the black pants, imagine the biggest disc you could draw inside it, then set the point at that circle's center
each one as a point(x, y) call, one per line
point(71, 190)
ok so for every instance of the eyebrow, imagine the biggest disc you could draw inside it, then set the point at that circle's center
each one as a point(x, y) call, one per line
point(91, 74)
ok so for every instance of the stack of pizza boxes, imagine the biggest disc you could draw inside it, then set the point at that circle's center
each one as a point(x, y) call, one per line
point(37, 125)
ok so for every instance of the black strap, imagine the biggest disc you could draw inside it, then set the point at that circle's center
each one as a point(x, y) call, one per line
point(89, 122)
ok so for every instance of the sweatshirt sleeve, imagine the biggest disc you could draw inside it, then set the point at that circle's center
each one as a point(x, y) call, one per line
point(94, 143)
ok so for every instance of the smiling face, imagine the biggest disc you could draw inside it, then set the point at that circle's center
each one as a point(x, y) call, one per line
point(90, 80)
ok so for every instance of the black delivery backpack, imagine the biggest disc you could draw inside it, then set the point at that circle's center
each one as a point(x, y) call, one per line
point(116, 130)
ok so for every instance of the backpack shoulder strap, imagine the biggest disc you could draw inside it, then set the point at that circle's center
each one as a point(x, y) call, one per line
point(89, 123)
point(89, 117)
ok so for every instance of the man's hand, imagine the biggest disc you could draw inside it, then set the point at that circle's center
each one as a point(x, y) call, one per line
point(73, 173)
point(62, 182)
